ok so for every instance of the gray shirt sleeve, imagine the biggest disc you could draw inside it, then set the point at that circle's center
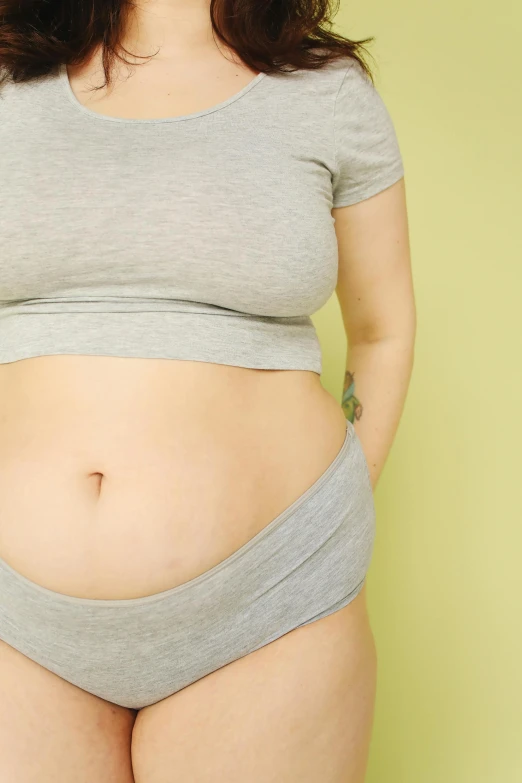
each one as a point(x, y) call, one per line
point(367, 154)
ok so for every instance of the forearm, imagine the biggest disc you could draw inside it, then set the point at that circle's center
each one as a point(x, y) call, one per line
point(379, 375)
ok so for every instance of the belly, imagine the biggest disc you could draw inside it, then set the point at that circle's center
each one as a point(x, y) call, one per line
point(120, 478)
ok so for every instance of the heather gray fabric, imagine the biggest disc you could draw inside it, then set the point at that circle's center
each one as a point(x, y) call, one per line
point(206, 236)
point(308, 562)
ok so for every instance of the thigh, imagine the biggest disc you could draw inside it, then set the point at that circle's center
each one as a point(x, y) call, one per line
point(53, 732)
point(300, 708)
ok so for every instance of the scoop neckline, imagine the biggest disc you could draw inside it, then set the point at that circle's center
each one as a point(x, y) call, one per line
point(63, 79)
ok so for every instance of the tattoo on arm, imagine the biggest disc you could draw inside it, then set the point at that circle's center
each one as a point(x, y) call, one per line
point(351, 406)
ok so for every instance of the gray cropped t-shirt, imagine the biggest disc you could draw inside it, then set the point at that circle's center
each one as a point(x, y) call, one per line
point(204, 237)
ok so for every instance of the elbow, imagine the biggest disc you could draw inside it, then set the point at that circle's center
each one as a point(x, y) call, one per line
point(403, 334)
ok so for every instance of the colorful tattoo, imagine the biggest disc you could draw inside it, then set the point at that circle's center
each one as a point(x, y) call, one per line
point(350, 404)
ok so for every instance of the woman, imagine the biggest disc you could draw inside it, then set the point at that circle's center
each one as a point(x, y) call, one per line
point(186, 514)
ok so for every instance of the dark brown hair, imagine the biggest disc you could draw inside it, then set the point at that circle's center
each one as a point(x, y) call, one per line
point(36, 36)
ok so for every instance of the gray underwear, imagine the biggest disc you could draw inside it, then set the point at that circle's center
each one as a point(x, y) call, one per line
point(308, 562)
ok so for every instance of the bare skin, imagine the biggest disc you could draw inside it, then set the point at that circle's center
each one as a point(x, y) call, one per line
point(52, 731)
point(89, 447)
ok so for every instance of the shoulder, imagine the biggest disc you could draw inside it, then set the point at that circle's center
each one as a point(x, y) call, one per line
point(20, 100)
point(327, 77)
point(314, 90)
point(10, 89)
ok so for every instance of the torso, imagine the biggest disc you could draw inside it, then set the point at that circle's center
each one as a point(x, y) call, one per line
point(124, 477)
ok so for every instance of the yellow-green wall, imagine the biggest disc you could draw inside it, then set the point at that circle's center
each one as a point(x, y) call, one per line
point(445, 583)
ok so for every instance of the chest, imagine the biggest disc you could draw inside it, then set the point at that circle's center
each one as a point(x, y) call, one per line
point(240, 217)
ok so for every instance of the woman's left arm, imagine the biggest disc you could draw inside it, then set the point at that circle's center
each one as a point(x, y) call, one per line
point(376, 296)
